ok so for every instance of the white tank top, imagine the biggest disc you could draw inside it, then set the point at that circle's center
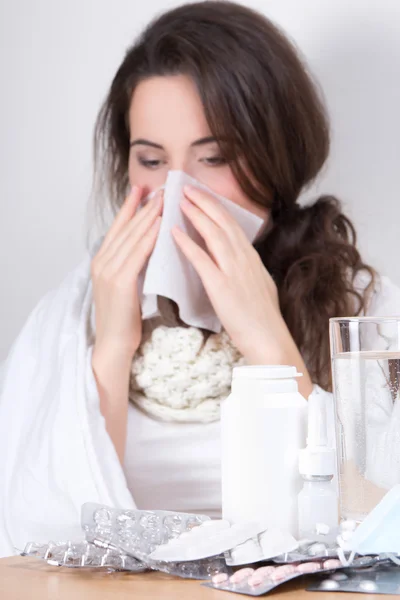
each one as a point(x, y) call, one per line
point(173, 466)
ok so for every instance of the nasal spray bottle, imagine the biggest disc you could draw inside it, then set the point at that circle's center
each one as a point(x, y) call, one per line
point(317, 501)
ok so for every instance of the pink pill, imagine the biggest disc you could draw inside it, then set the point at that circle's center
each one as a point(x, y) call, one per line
point(283, 572)
point(309, 567)
point(220, 578)
point(264, 571)
point(260, 575)
point(332, 563)
point(255, 580)
point(241, 575)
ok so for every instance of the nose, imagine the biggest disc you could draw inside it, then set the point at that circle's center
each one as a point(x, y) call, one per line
point(181, 164)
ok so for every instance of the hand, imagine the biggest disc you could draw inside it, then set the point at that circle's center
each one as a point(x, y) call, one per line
point(241, 290)
point(115, 270)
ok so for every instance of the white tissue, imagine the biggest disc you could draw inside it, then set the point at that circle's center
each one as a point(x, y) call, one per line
point(168, 273)
point(206, 540)
point(243, 543)
point(268, 544)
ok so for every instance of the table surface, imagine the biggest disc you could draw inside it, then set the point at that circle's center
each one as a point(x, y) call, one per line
point(29, 578)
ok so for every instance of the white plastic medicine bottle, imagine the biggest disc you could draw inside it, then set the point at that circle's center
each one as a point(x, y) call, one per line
point(263, 427)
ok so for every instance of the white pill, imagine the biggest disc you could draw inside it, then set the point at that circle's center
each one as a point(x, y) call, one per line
point(329, 584)
point(368, 586)
point(322, 529)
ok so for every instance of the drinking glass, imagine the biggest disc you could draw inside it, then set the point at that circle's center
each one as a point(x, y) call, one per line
point(365, 355)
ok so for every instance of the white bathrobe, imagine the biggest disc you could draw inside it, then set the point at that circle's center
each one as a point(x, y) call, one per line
point(55, 453)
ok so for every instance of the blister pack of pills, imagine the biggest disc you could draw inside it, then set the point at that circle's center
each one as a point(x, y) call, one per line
point(124, 539)
point(196, 569)
point(307, 551)
point(100, 555)
point(378, 579)
point(256, 582)
point(136, 532)
point(310, 550)
point(243, 543)
point(82, 555)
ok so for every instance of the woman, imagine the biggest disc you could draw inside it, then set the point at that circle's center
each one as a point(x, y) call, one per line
point(216, 90)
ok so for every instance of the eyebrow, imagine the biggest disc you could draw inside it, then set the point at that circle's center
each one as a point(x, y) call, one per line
point(200, 142)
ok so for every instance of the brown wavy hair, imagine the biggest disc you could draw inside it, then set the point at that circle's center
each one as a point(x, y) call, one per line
point(263, 106)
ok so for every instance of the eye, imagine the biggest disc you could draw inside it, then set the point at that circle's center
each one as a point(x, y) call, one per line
point(149, 164)
point(214, 161)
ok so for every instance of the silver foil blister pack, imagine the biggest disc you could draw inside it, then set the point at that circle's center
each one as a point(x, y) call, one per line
point(119, 539)
point(378, 579)
point(241, 543)
point(82, 555)
point(256, 582)
point(137, 532)
point(307, 551)
point(100, 555)
point(194, 546)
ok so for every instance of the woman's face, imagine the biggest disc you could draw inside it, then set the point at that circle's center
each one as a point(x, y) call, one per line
point(169, 131)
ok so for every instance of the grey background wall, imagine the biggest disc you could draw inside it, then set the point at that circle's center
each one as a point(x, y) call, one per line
point(57, 60)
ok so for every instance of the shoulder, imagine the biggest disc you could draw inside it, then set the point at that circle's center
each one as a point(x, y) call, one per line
point(384, 298)
point(58, 310)
point(77, 279)
point(70, 289)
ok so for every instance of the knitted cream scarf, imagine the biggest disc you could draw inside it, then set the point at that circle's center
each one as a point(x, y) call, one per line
point(180, 373)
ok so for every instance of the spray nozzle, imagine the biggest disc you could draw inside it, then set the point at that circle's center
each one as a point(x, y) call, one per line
point(317, 459)
point(317, 423)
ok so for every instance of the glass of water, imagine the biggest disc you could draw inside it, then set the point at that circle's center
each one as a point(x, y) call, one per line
point(366, 385)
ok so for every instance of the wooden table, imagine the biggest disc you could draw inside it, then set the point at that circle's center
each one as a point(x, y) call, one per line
point(32, 579)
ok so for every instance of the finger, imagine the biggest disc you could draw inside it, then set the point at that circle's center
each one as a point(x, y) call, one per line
point(214, 210)
point(135, 262)
point(122, 248)
point(218, 243)
point(207, 270)
point(138, 225)
point(124, 215)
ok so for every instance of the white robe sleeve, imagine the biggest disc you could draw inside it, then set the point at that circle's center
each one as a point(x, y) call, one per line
point(55, 453)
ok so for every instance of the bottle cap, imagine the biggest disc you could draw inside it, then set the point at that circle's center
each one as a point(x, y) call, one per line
point(266, 372)
point(317, 461)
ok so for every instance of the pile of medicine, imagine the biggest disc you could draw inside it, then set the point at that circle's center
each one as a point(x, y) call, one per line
point(196, 547)
point(279, 477)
